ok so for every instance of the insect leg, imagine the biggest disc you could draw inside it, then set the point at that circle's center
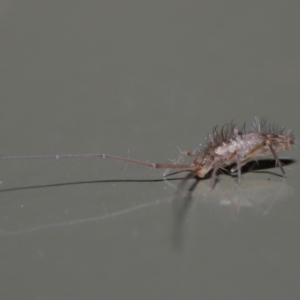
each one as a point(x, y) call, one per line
point(268, 143)
point(238, 164)
point(278, 162)
point(258, 148)
point(214, 177)
point(178, 159)
point(242, 163)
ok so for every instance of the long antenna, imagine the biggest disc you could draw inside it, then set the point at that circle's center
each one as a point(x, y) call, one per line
point(103, 156)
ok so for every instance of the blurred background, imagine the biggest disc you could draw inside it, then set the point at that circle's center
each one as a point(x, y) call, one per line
point(139, 79)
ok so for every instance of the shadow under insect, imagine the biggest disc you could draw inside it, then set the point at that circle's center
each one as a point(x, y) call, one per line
point(266, 164)
point(259, 195)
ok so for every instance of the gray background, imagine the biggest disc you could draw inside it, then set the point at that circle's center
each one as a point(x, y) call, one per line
point(137, 79)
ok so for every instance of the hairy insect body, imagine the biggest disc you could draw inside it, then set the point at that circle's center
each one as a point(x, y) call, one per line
point(229, 152)
point(226, 146)
point(229, 146)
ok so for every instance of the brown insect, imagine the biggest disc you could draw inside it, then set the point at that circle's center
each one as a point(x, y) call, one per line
point(226, 146)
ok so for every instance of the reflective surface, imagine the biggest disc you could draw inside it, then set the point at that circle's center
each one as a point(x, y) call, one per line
point(138, 79)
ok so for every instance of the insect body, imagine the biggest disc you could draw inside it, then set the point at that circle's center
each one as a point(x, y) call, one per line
point(226, 146)
point(229, 145)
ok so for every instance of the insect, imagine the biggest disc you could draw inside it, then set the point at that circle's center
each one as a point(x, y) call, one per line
point(225, 146)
